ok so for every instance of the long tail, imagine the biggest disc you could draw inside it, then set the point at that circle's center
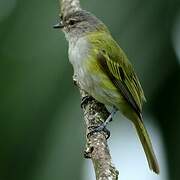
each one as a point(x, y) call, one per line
point(147, 146)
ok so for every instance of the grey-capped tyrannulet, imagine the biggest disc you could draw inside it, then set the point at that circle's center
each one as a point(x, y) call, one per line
point(103, 69)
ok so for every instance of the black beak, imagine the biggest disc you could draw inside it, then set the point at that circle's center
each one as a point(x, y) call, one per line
point(59, 25)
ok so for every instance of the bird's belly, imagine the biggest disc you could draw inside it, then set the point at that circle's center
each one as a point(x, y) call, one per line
point(98, 85)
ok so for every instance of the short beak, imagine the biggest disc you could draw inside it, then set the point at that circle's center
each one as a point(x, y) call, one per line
point(59, 25)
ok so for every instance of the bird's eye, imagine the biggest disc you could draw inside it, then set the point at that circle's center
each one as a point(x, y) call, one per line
point(72, 22)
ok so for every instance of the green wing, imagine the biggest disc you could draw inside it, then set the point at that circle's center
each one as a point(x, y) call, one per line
point(115, 64)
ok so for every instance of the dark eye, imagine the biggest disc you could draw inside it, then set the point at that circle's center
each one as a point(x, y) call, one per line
point(72, 22)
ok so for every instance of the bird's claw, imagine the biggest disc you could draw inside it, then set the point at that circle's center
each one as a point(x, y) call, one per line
point(85, 100)
point(100, 128)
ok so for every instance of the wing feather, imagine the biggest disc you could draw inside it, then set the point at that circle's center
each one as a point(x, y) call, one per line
point(113, 72)
point(116, 65)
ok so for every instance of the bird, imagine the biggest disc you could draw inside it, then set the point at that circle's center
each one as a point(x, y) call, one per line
point(104, 70)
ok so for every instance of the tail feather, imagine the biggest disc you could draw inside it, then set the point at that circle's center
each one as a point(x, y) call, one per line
point(147, 146)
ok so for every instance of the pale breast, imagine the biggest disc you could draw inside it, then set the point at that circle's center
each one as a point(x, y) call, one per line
point(78, 52)
point(78, 55)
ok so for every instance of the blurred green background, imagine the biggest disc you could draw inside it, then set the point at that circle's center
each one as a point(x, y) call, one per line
point(41, 125)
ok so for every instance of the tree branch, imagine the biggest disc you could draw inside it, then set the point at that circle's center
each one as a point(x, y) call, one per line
point(96, 146)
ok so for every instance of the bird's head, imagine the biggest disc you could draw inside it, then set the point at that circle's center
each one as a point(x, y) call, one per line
point(79, 23)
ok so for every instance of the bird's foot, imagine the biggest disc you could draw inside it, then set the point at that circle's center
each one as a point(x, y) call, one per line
point(102, 127)
point(95, 129)
point(85, 100)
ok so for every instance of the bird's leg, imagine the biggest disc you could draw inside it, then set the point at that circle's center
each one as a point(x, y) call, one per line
point(111, 116)
point(102, 127)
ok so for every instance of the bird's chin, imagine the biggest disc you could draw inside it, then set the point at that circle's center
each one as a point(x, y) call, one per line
point(66, 35)
point(65, 30)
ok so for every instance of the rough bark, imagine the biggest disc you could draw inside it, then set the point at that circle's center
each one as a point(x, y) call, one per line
point(69, 6)
point(96, 146)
